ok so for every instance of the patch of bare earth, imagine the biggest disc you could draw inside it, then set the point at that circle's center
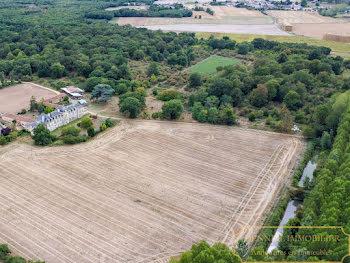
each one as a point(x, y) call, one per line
point(311, 24)
point(319, 30)
point(142, 192)
point(15, 98)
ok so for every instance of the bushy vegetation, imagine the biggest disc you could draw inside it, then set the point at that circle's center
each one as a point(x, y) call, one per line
point(286, 82)
point(335, 10)
point(153, 11)
point(202, 252)
point(42, 136)
point(7, 257)
point(8, 136)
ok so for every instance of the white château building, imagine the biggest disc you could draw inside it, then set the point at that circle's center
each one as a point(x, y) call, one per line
point(59, 117)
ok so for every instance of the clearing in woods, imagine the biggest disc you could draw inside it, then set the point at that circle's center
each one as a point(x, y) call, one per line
point(143, 192)
point(208, 66)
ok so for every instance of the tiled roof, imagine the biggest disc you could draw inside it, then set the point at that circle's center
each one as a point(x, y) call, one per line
point(48, 104)
point(17, 117)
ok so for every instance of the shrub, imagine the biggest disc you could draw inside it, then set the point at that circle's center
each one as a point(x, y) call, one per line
point(167, 95)
point(23, 111)
point(194, 80)
point(213, 115)
point(252, 116)
point(196, 109)
point(131, 107)
point(309, 132)
point(70, 139)
point(227, 115)
point(3, 140)
point(103, 127)
point(172, 109)
point(109, 123)
point(91, 131)
point(155, 92)
point(86, 123)
point(70, 130)
point(203, 116)
point(48, 109)
point(155, 115)
point(4, 251)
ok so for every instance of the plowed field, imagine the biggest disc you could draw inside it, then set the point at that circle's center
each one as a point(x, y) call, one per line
point(142, 192)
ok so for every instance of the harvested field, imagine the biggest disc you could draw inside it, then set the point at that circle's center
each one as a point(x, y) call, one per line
point(311, 24)
point(142, 192)
point(226, 21)
point(15, 98)
point(227, 11)
point(319, 30)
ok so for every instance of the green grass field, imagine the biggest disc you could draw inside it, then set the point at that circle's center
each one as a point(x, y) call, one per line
point(208, 66)
point(335, 46)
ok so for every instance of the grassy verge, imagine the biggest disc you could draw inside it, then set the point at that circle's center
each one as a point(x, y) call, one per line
point(335, 46)
point(208, 66)
point(74, 123)
point(72, 133)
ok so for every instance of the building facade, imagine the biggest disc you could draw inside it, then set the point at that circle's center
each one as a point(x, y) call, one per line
point(59, 117)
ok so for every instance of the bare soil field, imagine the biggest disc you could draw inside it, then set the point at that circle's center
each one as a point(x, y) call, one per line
point(15, 98)
point(226, 11)
point(311, 24)
point(318, 30)
point(225, 21)
point(142, 192)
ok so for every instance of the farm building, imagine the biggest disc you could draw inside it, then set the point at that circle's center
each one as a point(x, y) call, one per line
point(59, 117)
point(21, 121)
point(73, 92)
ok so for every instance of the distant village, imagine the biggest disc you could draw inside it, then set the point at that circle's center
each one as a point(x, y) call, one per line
point(302, 5)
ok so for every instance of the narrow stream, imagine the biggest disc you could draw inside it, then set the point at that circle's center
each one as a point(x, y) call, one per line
point(308, 172)
point(292, 206)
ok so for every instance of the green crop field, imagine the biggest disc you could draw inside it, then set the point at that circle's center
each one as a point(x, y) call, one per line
point(208, 66)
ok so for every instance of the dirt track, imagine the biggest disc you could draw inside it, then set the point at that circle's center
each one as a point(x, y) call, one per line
point(142, 192)
point(237, 29)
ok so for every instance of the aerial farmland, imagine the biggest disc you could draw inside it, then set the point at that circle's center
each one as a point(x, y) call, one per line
point(109, 200)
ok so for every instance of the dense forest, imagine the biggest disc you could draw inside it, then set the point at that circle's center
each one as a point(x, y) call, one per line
point(281, 84)
point(154, 11)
